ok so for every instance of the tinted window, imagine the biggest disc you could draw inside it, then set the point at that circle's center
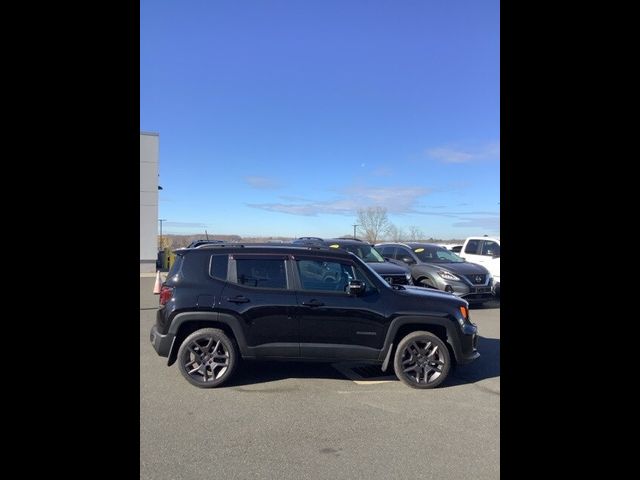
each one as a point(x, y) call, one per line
point(472, 246)
point(386, 251)
point(403, 253)
point(219, 264)
point(365, 252)
point(328, 276)
point(490, 248)
point(175, 268)
point(261, 273)
point(429, 254)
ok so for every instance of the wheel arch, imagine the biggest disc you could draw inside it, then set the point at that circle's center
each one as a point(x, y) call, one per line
point(186, 323)
point(424, 273)
point(442, 327)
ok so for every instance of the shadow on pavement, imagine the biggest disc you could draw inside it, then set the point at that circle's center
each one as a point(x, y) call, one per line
point(487, 366)
point(258, 372)
point(484, 306)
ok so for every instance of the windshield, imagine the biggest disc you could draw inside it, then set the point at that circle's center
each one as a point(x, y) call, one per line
point(365, 252)
point(435, 254)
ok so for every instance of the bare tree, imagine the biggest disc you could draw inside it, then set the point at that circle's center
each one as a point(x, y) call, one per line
point(415, 233)
point(395, 234)
point(372, 221)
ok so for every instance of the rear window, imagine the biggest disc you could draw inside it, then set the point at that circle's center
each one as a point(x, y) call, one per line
point(490, 248)
point(177, 265)
point(218, 266)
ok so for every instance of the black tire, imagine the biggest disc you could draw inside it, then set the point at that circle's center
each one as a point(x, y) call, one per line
point(207, 358)
point(422, 360)
point(425, 283)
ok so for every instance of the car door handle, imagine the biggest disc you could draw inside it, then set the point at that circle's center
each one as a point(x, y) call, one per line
point(313, 303)
point(238, 299)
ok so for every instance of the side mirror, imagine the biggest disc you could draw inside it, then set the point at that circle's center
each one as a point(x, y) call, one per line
point(408, 260)
point(356, 287)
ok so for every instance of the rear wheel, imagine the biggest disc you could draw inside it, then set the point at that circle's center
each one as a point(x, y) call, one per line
point(422, 360)
point(207, 358)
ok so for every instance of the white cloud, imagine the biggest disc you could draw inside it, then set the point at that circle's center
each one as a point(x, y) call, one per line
point(398, 199)
point(184, 224)
point(490, 151)
point(491, 224)
point(264, 183)
point(382, 172)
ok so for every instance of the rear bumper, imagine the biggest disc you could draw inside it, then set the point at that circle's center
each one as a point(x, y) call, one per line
point(161, 343)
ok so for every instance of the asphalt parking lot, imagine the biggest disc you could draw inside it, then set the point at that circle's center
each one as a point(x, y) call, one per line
point(306, 420)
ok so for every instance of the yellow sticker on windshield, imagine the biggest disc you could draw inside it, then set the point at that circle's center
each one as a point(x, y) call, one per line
point(418, 250)
point(335, 245)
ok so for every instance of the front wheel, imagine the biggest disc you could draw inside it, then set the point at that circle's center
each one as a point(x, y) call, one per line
point(422, 360)
point(425, 283)
point(207, 358)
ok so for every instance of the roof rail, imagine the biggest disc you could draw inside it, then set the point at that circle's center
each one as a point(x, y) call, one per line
point(396, 243)
point(218, 245)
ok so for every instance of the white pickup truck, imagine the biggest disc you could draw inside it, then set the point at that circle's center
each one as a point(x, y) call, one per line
point(486, 252)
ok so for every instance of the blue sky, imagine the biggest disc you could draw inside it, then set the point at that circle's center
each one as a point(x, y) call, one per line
point(283, 118)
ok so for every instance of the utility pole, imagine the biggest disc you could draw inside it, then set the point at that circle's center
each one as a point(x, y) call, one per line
point(354, 230)
point(161, 220)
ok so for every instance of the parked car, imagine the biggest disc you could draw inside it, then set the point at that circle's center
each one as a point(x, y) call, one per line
point(393, 273)
point(433, 266)
point(224, 302)
point(484, 251)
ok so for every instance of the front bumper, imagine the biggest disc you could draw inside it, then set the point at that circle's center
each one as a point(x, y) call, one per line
point(469, 344)
point(161, 343)
point(397, 279)
point(470, 293)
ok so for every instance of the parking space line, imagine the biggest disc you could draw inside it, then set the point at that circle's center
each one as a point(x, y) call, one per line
point(346, 369)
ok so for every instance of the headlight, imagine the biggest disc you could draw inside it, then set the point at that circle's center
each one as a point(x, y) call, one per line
point(448, 275)
point(408, 277)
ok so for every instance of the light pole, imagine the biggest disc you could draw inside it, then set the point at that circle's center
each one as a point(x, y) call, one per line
point(354, 230)
point(161, 220)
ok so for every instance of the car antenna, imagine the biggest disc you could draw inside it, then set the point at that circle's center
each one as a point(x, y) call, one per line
point(206, 234)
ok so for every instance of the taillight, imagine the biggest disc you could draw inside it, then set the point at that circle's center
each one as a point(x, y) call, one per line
point(165, 294)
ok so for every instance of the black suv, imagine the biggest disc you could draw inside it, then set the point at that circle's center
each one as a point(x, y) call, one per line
point(391, 272)
point(224, 302)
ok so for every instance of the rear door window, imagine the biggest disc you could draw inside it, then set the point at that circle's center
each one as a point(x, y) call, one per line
point(260, 272)
point(472, 246)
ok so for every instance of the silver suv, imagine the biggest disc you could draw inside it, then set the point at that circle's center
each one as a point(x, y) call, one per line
point(434, 266)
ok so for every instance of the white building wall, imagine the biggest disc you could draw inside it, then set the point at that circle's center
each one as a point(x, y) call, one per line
point(149, 149)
